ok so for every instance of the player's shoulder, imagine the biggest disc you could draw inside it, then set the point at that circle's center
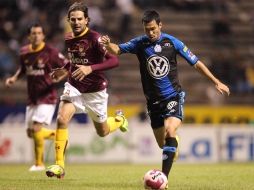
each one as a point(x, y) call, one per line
point(172, 39)
point(51, 48)
point(142, 38)
point(68, 36)
point(25, 49)
point(93, 34)
point(168, 36)
point(139, 40)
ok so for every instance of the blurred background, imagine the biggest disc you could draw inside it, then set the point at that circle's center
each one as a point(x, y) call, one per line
point(219, 32)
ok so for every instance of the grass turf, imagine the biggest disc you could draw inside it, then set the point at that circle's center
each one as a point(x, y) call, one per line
point(228, 176)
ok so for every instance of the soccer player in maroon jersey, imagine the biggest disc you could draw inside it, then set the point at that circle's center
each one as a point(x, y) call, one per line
point(85, 90)
point(37, 59)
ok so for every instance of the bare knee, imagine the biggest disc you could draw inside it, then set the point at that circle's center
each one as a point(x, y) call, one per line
point(35, 127)
point(30, 132)
point(102, 134)
point(101, 129)
point(61, 121)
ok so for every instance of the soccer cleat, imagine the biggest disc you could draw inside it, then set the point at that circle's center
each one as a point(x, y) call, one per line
point(124, 126)
point(35, 168)
point(55, 171)
point(177, 149)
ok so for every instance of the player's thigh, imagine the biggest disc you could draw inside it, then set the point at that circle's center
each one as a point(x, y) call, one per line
point(96, 106)
point(65, 112)
point(39, 115)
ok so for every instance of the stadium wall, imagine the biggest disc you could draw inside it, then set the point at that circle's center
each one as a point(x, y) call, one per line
point(198, 114)
point(199, 143)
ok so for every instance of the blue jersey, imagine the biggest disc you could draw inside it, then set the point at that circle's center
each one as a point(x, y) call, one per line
point(158, 64)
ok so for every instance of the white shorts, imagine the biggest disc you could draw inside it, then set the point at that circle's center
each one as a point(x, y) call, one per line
point(94, 104)
point(42, 113)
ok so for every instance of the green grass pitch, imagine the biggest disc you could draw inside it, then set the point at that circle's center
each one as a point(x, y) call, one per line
point(228, 176)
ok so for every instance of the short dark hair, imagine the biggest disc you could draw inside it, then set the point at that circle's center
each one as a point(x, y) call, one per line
point(78, 6)
point(35, 24)
point(151, 15)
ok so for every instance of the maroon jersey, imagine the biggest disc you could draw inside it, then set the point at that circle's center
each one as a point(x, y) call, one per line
point(86, 50)
point(37, 65)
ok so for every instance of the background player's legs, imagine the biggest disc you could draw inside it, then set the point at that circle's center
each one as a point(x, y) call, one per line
point(36, 116)
point(40, 133)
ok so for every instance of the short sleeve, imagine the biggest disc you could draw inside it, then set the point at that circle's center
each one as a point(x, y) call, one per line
point(185, 52)
point(130, 47)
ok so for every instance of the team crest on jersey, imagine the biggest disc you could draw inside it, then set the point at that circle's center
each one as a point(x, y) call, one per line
point(81, 49)
point(166, 43)
point(157, 48)
point(40, 63)
point(158, 66)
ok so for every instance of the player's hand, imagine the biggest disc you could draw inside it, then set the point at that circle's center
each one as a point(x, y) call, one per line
point(81, 72)
point(10, 81)
point(222, 88)
point(104, 40)
point(58, 75)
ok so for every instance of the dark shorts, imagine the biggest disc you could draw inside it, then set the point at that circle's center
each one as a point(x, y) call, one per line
point(172, 107)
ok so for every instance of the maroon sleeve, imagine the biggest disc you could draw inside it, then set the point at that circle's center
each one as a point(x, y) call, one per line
point(21, 67)
point(58, 58)
point(110, 62)
point(67, 66)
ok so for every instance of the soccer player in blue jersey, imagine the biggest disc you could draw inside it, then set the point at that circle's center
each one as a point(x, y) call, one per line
point(156, 52)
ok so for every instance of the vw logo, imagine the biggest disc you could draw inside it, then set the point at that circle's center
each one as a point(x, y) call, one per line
point(158, 67)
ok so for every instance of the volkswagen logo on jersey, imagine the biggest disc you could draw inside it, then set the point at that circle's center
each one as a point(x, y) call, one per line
point(158, 66)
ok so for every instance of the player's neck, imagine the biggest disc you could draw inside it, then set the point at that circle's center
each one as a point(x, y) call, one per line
point(82, 33)
point(35, 48)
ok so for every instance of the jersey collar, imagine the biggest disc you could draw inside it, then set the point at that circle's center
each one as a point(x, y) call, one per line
point(83, 33)
point(39, 48)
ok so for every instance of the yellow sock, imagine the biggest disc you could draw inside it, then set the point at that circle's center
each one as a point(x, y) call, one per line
point(48, 133)
point(114, 123)
point(60, 145)
point(38, 147)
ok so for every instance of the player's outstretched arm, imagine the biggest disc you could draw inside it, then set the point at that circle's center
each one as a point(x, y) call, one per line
point(222, 88)
point(11, 80)
point(111, 61)
point(111, 47)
